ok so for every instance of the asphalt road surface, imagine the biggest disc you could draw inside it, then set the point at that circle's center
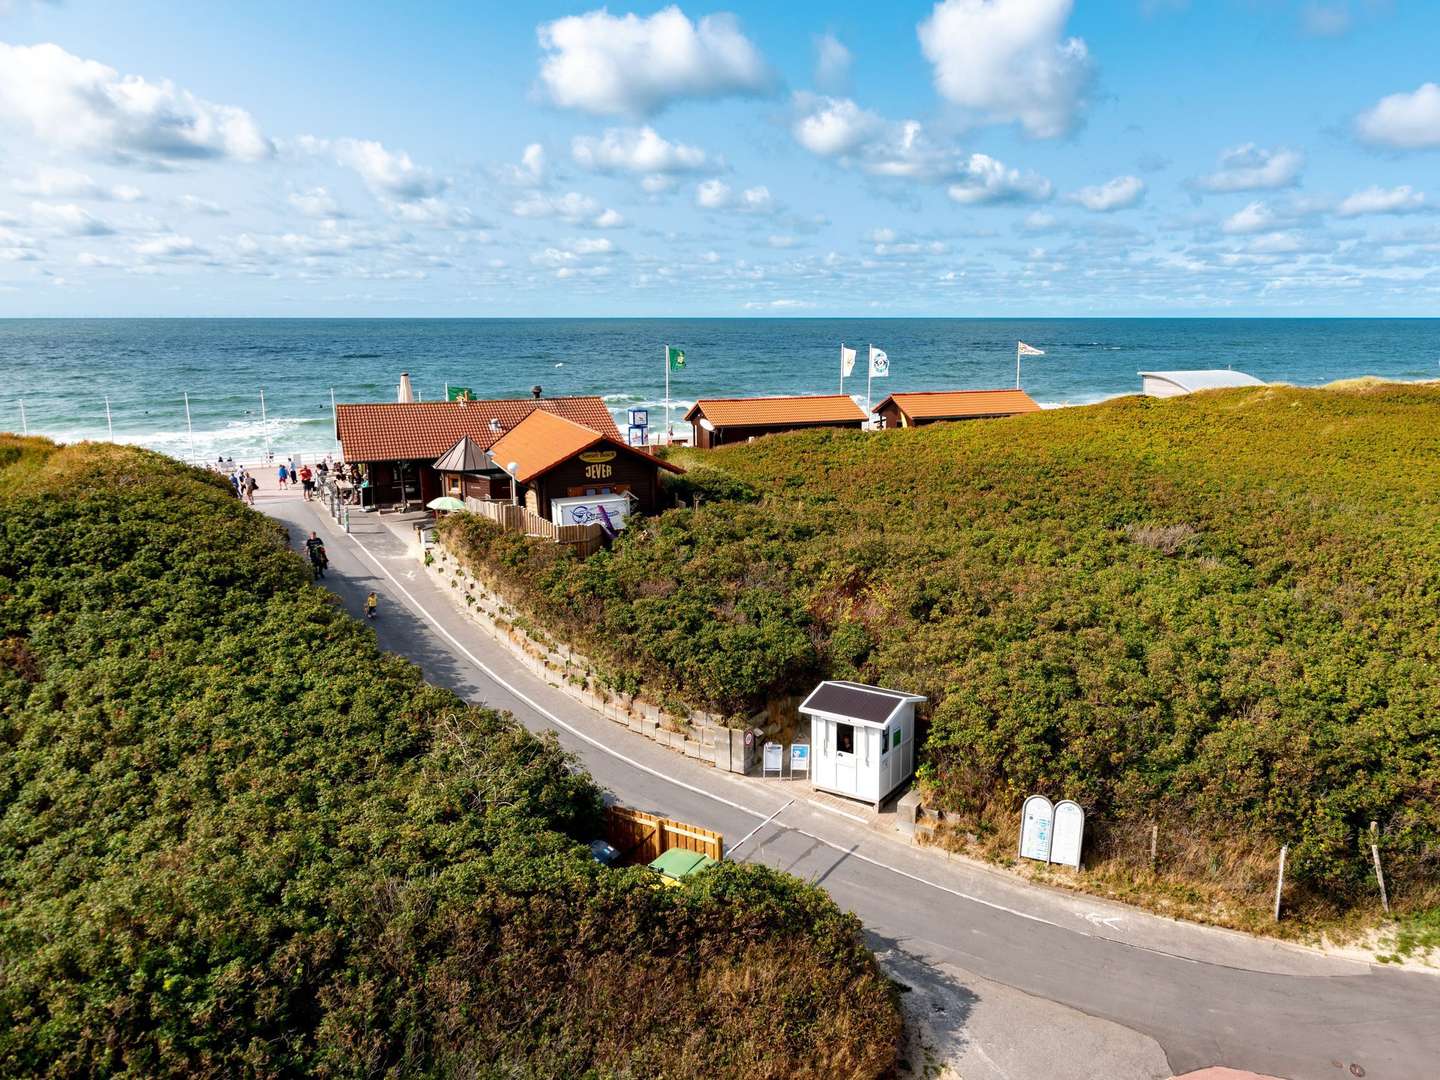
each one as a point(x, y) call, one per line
point(1126, 982)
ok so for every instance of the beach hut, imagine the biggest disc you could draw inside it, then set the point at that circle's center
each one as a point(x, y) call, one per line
point(916, 408)
point(862, 739)
point(721, 421)
point(466, 470)
point(1175, 383)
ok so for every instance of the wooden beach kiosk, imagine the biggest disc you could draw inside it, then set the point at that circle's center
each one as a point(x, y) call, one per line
point(571, 474)
point(399, 443)
point(915, 409)
point(722, 421)
point(862, 739)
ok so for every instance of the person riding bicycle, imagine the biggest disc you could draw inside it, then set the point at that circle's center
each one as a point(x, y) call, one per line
point(371, 602)
point(315, 548)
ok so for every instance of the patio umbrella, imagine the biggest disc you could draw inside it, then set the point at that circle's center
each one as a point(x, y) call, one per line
point(445, 502)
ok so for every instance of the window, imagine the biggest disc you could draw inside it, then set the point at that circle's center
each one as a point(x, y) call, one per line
point(899, 737)
point(845, 738)
point(454, 485)
point(884, 742)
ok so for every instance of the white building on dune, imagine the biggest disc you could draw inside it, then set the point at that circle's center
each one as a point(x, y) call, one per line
point(1175, 383)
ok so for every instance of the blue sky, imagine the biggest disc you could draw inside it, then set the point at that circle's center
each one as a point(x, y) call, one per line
point(968, 158)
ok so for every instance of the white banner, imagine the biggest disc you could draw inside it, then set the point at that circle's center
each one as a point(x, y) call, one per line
point(879, 363)
point(847, 361)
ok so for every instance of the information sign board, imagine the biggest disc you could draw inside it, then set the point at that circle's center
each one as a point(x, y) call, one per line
point(774, 759)
point(1068, 836)
point(1037, 818)
point(799, 759)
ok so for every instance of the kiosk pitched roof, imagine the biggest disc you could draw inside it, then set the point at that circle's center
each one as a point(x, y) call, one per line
point(544, 439)
point(856, 701)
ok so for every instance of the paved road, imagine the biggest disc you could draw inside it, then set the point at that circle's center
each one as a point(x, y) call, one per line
point(1206, 997)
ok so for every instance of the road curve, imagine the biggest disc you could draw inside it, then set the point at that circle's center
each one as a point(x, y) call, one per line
point(1207, 997)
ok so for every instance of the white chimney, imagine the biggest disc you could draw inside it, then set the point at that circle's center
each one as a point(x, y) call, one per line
point(407, 392)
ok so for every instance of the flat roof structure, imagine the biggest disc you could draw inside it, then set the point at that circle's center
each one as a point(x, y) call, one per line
point(921, 406)
point(1174, 383)
point(425, 430)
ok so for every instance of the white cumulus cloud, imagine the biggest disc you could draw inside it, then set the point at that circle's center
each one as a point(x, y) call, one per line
point(69, 218)
point(832, 63)
point(1256, 217)
point(531, 171)
point(833, 127)
point(1117, 194)
point(627, 64)
point(316, 202)
point(718, 195)
point(1008, 60)
point(636, 150)
point(50, 183)
point(982, 179)
point(1377, 200)
point(1253, 168)
point(387, 173)
point(1403, 121)
point(82, 105)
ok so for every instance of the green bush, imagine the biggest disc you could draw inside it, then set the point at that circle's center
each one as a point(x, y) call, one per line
point(1221, 610)
point(238, 839)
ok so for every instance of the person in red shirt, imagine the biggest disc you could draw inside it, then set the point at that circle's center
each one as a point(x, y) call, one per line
point(307, 481)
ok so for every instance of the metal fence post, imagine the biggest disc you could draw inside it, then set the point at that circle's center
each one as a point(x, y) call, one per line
point(346, 513)
point(1280, 879)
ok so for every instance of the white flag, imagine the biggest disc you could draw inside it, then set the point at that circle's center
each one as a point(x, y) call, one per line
point(1029, 350)
point(847, 361)
point(879, 363)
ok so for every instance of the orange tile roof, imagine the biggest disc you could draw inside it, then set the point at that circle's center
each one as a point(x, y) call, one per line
point(544, 439)
point(416, 430)
point(773, 411)
point(960, 404)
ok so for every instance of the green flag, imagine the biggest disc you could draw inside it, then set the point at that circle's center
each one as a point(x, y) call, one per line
point(676, 358)
point(461, 393)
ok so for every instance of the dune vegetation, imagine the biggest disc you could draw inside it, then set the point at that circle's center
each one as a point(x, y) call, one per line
point(1216, 616)
point(238, 839)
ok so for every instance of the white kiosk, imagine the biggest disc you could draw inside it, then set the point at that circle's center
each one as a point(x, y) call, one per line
point(862, 739)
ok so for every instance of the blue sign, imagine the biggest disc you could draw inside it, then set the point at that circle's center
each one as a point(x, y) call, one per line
point(799, 758)
point(639, 417)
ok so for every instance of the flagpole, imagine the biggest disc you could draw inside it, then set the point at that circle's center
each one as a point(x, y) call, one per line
point(666, 357)
point(869, 378)
point(1017, 365)
point(189, 427)
point(842, 367)
point(109, 424)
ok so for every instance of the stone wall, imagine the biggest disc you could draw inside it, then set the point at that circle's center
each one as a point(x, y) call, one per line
point(699, 735)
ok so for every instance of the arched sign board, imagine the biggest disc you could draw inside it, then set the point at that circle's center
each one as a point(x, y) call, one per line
point(1068, 835)
point(1037, 817)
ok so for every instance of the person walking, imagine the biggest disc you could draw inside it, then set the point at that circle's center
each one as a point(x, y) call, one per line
point(371, 603)
point(250, 485)
point(315, 548)
point(283, 474)
point(307, 481)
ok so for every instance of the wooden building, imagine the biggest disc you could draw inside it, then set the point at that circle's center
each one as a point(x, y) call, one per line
point(570, 474)
point(721, 421)
point(467, 471)
point(933, 406)
point(398, 443)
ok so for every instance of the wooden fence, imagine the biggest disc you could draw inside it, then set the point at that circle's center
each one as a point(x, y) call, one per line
point(641, 837)
point(586, 539)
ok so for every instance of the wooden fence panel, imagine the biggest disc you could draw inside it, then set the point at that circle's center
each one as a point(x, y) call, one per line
point(642, 837)
point(586, 539)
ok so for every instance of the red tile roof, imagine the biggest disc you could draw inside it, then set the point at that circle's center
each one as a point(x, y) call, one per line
point(419, 430)
point(778, 411)
point(544, 440)
point(960, 404)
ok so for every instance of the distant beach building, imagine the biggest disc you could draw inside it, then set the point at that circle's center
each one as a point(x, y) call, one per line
point(571, 474)
point(399, 442)
point(1175, 383)
point(915, 409)
point(721, 421)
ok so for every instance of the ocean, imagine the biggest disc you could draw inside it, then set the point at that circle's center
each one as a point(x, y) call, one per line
point(61, 371)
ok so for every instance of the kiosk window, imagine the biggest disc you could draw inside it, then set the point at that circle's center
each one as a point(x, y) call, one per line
point(899, 734)
point(845, 738)
point(884, 742)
